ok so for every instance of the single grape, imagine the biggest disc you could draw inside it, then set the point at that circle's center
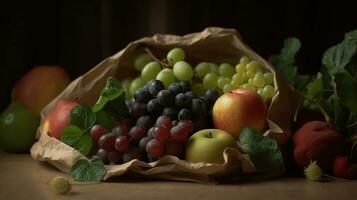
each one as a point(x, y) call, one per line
point(166, 76)
point(165, 98)
point(141, 61)
point(170, 112)
point(155, 87)
point(190, 95)
point(138, 109)
point(150, 71)
point(175, 88)
point(268, 78)
point(211, 96)
point(244, 60)
point(155, 148)
point(268, 92)
point(137, 132)
point(145, 120)
point(161, 133)
point(184, 113)
point(198, 89)
point(228, 88)
point(163, 121)
point(248, 86)
point(120, 130)
point(250, 73)
point(198, 107)
point(182, 101)
point(143, 142)
point(131, 154)
point(226, 70)
point(222, 81)
point(103, 155)
point(142, 95)
point(121, 143)
point(151, 132)
point(107, 142)
point(183, 71)
point(175, 148)
point(97, 131)
point(202, 69)
point(238, 79)
point(127, 122)
point(259, 80)
point(187, 125)
point(210, 80)
point(240, 68)
point(186, 86)
point(115, 157)
point(175, 55)
point(60, 185)
point(214, 68)
point(178, 133)
point(154, 107)
point(252, 65)
point(136, 84)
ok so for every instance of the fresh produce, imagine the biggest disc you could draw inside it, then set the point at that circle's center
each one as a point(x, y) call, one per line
point(39, 86)
point(207, 145)
point(60, 185)
point(313, 172)
point(58, 118)
point(318, 141)
point(343, 168)
point(239, 109)
point(18, 127)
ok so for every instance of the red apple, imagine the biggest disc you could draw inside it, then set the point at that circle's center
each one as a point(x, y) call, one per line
point(58, 118)
point(39, 86)
point(239, 109)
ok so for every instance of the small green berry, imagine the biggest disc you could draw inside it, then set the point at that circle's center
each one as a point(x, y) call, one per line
point(60, 185)
point(313, 172)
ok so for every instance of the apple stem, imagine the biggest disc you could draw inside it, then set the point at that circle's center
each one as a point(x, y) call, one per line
point(210, 135)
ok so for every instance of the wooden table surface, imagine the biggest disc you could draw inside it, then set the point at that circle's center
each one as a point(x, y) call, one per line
point(21, 177)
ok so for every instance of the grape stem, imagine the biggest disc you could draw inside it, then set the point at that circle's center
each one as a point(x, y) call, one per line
point(162, 63)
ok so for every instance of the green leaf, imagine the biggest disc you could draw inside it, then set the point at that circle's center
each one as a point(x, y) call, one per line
point(346, 90)
point(88, 170)
point(112, 99)
point(315, 87)
point(338, 56)
point(263, 151)
point(351, 36)
point(83, 116)
point(105, 119)
point(291, 47)
point(75, 137)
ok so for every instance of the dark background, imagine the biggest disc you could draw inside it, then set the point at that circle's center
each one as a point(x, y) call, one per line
point(78, 34)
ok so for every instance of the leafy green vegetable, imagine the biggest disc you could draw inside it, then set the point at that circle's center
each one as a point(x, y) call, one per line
point(337, 57)
point(88, 170)
point(351, 36)
point(75, 137)
point(347, 91)
point(104, 119)
point(83, 116)
point(263, 151)
point(285, 64)
point(112, 99)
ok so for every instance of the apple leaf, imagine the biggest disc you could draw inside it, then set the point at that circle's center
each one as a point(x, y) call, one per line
point(92, 170)
point(263, 151)
point(112, 99)
point(83, 117)
point(78, 139)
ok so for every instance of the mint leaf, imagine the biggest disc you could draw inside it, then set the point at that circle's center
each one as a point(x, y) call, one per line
point(346, 90)
point(83, 117)
point(75, 137)
point(92, 170)
point(338, 56)
point(112, 99)
point(263, 151)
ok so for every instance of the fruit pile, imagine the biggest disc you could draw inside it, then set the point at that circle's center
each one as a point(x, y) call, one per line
point(206, 75)
point(160, 122)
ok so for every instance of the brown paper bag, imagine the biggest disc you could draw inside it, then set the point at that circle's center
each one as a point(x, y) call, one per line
point(213, 44)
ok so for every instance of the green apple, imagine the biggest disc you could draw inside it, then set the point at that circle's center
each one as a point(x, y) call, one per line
point(208, 145)
point(18, 127)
